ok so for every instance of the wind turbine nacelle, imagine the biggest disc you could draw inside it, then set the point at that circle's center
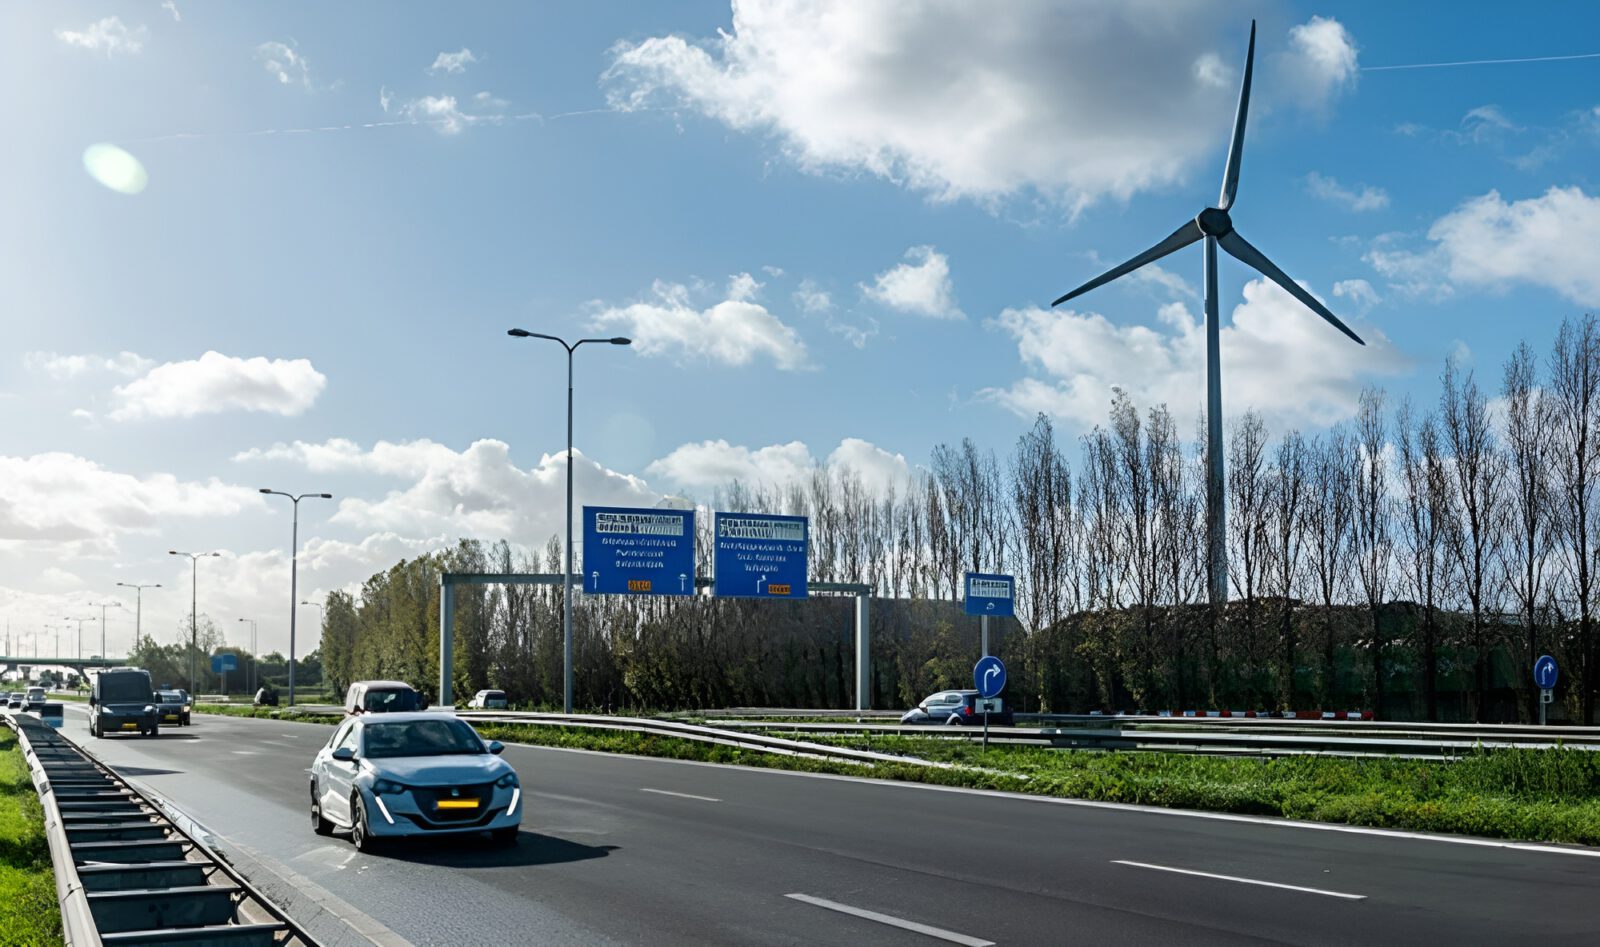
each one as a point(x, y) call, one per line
point(1214, 222)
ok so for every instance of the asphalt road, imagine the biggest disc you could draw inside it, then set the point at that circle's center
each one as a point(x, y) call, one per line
point(625, 850)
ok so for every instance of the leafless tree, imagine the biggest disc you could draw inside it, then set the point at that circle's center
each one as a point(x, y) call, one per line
point(1423, 527)
point(1371, 532)
point(1526, 551)
point(1575, 393)
point(1288, 489)
point(1247, 526)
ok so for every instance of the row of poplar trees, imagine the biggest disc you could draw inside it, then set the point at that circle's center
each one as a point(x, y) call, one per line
point(1412, 561)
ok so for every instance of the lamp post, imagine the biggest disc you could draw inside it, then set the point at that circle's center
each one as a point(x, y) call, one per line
point(294, 569)
point(194, 609)
point(138, 609)
point(253, 658)
point(566, 599)
point(80, 622)
point(103, 606)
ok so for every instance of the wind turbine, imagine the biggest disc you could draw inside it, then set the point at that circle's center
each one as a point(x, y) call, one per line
point(1215, 227)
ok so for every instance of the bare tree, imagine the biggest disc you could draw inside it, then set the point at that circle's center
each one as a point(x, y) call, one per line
point(1247, 526)
point(1423, 527)
point(1526, 551)
point(1575, 392)
point(1287, 494)
point(1371, 533)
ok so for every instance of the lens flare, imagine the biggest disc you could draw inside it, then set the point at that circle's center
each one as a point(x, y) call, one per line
point(115, 168)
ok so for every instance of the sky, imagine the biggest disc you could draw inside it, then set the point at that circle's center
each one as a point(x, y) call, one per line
point(279, 245)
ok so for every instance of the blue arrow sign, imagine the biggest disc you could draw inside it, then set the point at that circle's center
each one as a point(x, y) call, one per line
point(989, 676)
point(990, 594)
point(638, 552)
point(761, 556)
point(1545, 672)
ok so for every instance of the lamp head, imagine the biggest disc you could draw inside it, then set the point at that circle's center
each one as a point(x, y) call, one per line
point(265, 490)
point(518, 333)
point(620, 340)
point(326, 496)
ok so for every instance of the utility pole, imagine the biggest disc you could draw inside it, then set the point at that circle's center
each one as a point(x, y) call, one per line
point(294, 570)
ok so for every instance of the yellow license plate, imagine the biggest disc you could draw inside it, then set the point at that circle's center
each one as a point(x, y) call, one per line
point(166, 717)
point(458, 804)
point(130, 726)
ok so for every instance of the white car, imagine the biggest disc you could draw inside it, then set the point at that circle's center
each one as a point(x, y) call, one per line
point(488, 700)
point(413, 774)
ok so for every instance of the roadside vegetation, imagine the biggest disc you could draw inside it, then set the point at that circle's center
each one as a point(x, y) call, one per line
point(272, 713)
point(29, 916)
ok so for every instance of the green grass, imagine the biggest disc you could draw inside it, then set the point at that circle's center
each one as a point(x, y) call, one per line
point(29, 916)
point(273, 713)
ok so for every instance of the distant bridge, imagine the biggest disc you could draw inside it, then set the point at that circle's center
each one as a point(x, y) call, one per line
point(9, 661)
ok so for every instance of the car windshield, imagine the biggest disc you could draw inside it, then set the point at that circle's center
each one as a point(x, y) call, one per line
point(390, 701)
point(420, 738)
point(119, 688)
point(171, 697)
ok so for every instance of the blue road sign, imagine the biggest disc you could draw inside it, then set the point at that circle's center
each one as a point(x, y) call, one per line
point(1545, 672)
point(761, 556)
point(989, 676)
point(991, 594)
point(638, 552)
point(224, 662)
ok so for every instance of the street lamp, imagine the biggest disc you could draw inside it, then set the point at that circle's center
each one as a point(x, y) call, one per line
point(194, 609)
point(294, 569)
point(253, 654)
point(103, 606)
point(80, 622)
point(566, 601)
point(138, 609)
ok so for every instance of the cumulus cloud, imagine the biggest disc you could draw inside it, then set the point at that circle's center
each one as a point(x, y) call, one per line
point(1322, 61)
point(172, 8)
point(1490, 242)
point(1360, 198)
point(284, 63)
point(1358, 291)
point(452, 63)
point(1278, 358)
point(215, 382)
point(921, 287)
point(63, 498)
point(812, 298)
point(110, 36)
point(1075, 102)
point(713, 464)
point(734, 331)
point(67, 367)
point(444, 112)
point(341, 455)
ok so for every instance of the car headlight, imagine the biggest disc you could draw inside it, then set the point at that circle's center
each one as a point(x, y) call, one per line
point(508, 781)
point(149, 708)
point(387, 787)
point(185, 708)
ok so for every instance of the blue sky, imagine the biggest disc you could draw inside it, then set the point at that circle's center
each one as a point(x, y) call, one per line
point(833, 231)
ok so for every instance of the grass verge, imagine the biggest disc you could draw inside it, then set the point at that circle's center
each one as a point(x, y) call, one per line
point(272, 713)
point(29, 914)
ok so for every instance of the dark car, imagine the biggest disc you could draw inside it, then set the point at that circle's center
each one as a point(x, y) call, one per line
point(956, 708)
point(33, 699)
point(122, 700)
point(267, 696)
point(173, 706)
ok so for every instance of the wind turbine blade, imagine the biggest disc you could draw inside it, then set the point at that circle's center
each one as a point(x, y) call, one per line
point(1182, 237)
point(1250, 256)
point(1230, 176)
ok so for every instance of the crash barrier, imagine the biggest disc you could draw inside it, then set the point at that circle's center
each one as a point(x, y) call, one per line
point(125, 872)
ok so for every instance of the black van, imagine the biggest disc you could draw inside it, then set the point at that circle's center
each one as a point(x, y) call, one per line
point(123, 701)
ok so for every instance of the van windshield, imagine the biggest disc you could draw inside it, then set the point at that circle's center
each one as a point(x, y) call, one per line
point(390, 701)
point(124, 688)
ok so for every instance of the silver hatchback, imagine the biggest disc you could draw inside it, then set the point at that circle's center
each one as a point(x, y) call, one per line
point(413, 774)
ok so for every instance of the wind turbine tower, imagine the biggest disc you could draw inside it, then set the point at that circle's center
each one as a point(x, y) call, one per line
point(1215, 227)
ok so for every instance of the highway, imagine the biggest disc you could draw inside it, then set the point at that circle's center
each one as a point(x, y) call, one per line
point(623, 850)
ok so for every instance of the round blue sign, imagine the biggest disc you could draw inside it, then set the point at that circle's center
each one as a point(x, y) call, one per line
point(989, 676)
point(1544, 672)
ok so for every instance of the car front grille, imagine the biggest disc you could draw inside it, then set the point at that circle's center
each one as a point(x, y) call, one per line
point(428, 799)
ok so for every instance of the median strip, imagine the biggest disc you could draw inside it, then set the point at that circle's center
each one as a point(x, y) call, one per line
point(1246, 881)
point(893, 921)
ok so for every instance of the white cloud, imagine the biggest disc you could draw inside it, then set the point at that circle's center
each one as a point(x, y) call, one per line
point(66, 499)
point(67, 367)
point(444, 112)
point(172, 8)
point(1362, 197)
point(733, 331)
point(878, 469)
point(1358, 291)
point(453, 63)
point(812, 298)
point(340, 455)
point(709, 465)
point(742, 287)
point(1075, 102)
point(921, 287)
point(215, 382)
point(1278, 358)
point(1488, 242)
point(1322, 61)
point(284, 63)
point(856, 335)
point(109, 35)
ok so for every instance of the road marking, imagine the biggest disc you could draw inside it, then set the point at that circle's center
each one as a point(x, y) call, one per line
point(1248, 881)
point(680, 795)
point(893, 921)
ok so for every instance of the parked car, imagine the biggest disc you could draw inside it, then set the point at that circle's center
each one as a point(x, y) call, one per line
point(14, 701)
point(174, 706)
point(955, 708)
point(413, 774)
point(382, 697)
point(122, 700)
point(488, 700)
point(33, 699)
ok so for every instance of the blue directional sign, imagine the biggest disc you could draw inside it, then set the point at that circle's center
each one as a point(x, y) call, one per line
point(761, 556)
point(991, 594)
point(224, 662)
point(638, 552)
point(1544, 672)
point(989, 676)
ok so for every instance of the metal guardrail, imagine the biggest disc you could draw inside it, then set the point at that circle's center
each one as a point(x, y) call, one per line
point(125, 872)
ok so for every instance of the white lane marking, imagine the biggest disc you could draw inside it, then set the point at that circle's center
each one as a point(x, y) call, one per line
point(893, 921)
point(1096, 804)
point(680, 795)
point(244, 752)
point(1247, 881)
